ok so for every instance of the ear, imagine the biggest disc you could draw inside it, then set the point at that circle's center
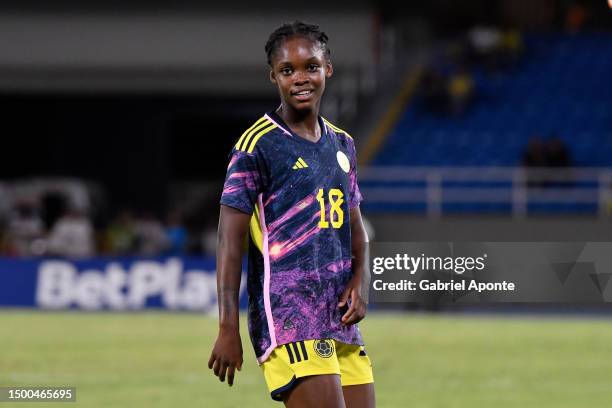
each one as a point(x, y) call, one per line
point(272, 77)
point(330, 69)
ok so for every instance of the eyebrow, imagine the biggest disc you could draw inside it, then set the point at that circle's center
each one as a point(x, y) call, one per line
point(310, 59)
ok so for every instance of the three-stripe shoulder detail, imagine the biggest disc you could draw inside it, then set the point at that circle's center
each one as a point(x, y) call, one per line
point(251, 136)
point(336, 128)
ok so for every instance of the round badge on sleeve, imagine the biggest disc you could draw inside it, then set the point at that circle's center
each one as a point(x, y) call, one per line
point(343, 161)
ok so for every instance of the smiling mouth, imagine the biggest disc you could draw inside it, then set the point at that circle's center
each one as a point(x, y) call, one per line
point(302, 95)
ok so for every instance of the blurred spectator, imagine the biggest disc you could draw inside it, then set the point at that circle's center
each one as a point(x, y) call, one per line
point(25, 226)
point(558, 157)
point(557, 154)
point(493, 48)
point(550, 154)
point(575, 18)
point(535, 153)
point(54, 204)
point(534, 156)
point(72, 236)
point(176, 234)
point(433, 90)
point(511, 48)
point(483, 39)
point(151, 238)
point(446, 88)
point(460, 91)
point(120, 236)
point(484, 43)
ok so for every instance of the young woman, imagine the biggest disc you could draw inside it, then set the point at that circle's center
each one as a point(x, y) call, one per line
point(291, 183)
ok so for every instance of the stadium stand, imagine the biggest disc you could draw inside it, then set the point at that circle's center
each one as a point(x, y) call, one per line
point(561, 87)
point(558, 91)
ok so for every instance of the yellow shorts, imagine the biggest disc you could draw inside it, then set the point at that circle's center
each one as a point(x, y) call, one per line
point(289, 362)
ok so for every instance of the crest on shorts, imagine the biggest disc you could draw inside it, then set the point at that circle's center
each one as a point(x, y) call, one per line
point(323, 348)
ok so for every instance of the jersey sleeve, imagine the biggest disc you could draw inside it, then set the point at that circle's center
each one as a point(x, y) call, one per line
point(243, 181)
point(355, 195)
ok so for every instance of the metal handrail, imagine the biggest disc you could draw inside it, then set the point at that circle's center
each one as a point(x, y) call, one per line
point(516, 186)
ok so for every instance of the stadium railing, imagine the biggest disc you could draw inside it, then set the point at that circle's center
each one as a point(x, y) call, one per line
point(517, 191)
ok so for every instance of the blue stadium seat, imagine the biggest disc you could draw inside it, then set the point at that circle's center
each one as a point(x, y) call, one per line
point(561, 88)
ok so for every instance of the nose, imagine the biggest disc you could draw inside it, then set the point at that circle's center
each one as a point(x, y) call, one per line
point(300, 78)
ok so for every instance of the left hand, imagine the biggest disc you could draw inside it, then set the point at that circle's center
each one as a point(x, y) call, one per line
point(358, 307)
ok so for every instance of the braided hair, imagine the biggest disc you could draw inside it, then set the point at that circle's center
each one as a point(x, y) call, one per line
point(297, 28)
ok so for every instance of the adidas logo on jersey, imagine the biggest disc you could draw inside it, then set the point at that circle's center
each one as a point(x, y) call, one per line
point(288, 325)
point(299, 164)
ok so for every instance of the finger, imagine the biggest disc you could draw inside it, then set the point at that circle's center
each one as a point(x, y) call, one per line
point(216, 367)
point(344, 297)
point(239, 366)
point(348, 319)
point(361, 312)
point(349, 312)
point(354, 318)
point(222, 372)
point(211, 360)
point(364, 309)
point(355, 313)
point(355, 296)
point(230, 375)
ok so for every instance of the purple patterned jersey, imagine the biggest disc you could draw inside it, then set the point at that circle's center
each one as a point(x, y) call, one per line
point(299, 194)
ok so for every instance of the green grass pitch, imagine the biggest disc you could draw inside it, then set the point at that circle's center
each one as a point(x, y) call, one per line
point(153, 360)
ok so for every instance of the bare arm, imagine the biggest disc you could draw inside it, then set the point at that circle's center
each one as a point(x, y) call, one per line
point(360, 247)
point(358, 287)
point(226, 355)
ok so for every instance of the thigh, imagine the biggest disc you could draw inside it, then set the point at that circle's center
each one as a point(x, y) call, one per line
point(316, 391)
point(356, 376)
point(359, 396)
point(355, 365)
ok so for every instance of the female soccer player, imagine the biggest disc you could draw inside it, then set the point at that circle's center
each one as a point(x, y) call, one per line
point(291, 182)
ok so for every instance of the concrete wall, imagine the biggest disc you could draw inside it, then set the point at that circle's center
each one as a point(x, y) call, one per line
point(220, 50)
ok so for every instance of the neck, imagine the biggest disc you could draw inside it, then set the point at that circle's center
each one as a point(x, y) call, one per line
point(308, 119)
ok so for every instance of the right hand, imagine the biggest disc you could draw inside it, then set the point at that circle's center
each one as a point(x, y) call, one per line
point(226, 355)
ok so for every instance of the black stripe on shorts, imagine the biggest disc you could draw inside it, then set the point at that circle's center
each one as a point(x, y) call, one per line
point(291, 360)
point(304, 352)
point(297, 352)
